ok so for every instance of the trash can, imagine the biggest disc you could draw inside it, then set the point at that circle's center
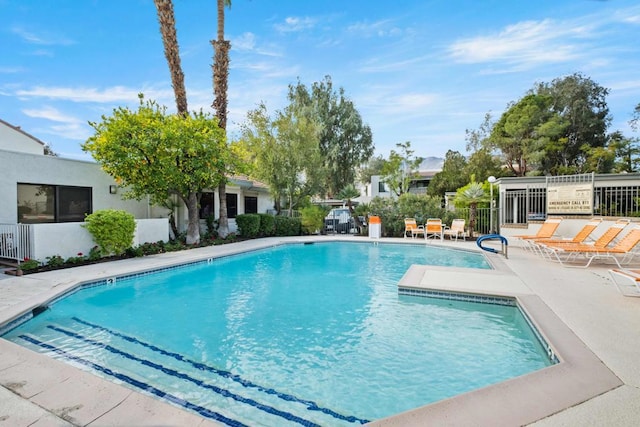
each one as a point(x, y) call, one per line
point(375, 227)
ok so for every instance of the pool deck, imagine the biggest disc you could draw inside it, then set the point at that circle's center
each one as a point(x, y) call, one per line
point(594, 330)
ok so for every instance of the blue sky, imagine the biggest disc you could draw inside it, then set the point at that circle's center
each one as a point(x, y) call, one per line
point(421, 71)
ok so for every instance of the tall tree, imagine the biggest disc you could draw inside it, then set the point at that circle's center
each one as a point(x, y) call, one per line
point(150, 152)
point(581, 104)
point(221, 48)
point(345, 141)
point(516, 135)
point(284, 153)
point(452, 176)
point(401, 168)
point(172, 52)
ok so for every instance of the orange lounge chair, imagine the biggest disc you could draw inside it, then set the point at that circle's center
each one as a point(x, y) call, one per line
point(580, 236)
point(602, 242)
point(412, 227)
point(456, 230)
point(546, 231)
point(627, 281)
point(434, 229)
point(623, 248)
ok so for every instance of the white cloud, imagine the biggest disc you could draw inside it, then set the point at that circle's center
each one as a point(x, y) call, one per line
point(109, 95)
point(11, 70)
point(383, 28)
point(295, 24)
point(529, 42)
point(51, 113)
point(42, 38)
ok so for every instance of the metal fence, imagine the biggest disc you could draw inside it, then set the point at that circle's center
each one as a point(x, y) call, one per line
point(530, 204)
point(15, 241)
point(483, 220)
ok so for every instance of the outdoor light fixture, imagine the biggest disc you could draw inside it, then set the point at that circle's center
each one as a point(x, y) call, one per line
point(113, 189)
point(491, 180)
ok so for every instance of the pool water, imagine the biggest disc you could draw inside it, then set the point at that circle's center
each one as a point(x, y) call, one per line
point(312, 334)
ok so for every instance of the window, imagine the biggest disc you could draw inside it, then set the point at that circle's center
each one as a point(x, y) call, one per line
point(41, 203)
point(382, 187)
point(232, 205)
point(250, 205)
point(207, 205)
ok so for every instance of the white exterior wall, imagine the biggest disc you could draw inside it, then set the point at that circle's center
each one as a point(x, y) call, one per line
point(72, 238)
point(13, 140)
point(39, 169)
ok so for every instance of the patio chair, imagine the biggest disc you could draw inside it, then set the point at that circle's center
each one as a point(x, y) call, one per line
point(627, 281)
point(412, 228)
point(456, 230)
point(434, 229)
point(602, 242)
point(623, 249)
point(580, 237)
point(546, 231)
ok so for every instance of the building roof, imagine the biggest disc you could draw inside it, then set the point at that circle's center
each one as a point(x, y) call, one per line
point(18, 129)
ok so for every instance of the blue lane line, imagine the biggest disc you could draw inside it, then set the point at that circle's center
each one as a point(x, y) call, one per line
point(172, 372)
point(139, 384)
point(311, 405)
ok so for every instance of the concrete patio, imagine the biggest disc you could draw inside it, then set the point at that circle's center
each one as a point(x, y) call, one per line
point(37, 390)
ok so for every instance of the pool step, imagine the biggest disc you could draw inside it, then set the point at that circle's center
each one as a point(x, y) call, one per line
point(212, 392)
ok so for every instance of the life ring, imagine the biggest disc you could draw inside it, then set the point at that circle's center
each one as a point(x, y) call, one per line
point(503, 240)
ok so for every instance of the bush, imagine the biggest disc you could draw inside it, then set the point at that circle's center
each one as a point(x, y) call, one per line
point(287, 226)
point(267, 225)
point(55, 261)
point(112, 230)
point(312, 218)
point(393, 212)
point(248, 225)
point(29, 264)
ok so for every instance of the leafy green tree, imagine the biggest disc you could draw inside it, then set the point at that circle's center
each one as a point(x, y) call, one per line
point(345, 141)
point(581, 104)
point(401, 168)
point(483, 165)
point(284, 153)
point(150, 152)
point(627, 152)
point(372, 167)
point(452, 176)
point(516, 134)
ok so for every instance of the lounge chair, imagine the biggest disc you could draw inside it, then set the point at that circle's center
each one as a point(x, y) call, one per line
point(580, 236)
point(627, 281)
point(456, 230)
point(602, 242)
point(434, 229)
point(546, 231)
point(624, 248)
point(412, 229)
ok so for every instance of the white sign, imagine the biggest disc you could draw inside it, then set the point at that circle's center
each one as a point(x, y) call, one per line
point(570, 199)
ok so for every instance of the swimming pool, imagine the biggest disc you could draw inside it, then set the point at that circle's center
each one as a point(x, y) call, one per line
point(266, 338)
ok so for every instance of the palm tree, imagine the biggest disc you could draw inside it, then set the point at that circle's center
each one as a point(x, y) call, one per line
point(470, 195)
point(348, 193)
point(172, 52)
point(220, 67)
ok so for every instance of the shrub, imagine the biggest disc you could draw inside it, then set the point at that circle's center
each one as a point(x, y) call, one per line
point(267, 225)
point(248, 225)
point(55, 261)
point(29, 264)
point(112, 230)
point(287, 226)
point(312, 218)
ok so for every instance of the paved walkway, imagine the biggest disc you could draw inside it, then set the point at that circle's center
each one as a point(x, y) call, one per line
point(38, 391)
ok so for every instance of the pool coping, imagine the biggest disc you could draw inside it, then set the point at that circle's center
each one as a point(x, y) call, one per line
point(579, 376)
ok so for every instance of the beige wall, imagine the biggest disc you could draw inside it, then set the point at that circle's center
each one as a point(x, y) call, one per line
point(13, 140)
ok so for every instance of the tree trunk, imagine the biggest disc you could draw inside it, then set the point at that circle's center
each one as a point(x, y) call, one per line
point(193, 229)
point(171, 52)
point(223, 219)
